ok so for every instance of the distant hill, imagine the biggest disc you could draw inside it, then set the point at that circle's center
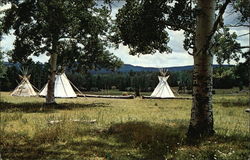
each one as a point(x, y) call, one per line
point(10, 64)
point(128, 67)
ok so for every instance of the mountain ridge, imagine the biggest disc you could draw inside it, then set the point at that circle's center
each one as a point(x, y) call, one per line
point(129, 67)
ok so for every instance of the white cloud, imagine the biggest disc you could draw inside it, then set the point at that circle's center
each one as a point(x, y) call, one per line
point(7, 6)
point(176, 41)
point(7, 42)
point(156, 60)
point(41, 58)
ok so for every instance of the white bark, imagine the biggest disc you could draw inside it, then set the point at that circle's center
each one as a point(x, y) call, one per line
point(201, 122)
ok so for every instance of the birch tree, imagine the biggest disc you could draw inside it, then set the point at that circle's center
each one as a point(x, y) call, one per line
point(201, 122)
point(141, 25)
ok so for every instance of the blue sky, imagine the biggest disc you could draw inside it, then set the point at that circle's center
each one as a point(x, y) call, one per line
point(178, 57)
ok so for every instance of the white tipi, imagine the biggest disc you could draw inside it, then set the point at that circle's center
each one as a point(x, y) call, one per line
point(162, 90)
point(63, 89)
point(24, 89)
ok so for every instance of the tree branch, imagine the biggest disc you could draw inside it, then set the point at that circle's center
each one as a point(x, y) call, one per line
point(239, 25)
point(215, 26)
point(244, 34)
point(191, 54)
point(169, 25)
point(219, 18)
point(242, 47)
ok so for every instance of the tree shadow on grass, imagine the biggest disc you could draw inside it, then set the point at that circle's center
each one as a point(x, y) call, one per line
point(160, 142)
point(40, 107)
point(128, 141)
point(73, 150)
point(124, 141)
point(155, 141)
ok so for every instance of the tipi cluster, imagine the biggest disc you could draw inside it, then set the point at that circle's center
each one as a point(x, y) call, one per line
point(63, 88)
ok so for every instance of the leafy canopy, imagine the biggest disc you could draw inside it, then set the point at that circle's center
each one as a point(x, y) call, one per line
point(226, 46)
point(76, 31)
point(142, 26)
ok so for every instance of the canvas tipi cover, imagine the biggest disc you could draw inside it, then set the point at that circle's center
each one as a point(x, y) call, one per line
point(162, 90)
point(63, 89)
point(24, 88)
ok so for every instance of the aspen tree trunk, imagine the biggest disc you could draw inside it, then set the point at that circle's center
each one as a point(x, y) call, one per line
point(201, 122)
point(248, 66)
point(50, 98)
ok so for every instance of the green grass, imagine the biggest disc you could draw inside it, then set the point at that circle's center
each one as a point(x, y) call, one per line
point(125, 129)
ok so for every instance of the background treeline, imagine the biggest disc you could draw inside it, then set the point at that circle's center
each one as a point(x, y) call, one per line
point(145, 81)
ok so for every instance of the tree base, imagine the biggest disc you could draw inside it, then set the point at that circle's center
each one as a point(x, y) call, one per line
point(50, 103)
point(201, 131)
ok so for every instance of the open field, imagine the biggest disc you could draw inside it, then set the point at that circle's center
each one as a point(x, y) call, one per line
point(119, 129)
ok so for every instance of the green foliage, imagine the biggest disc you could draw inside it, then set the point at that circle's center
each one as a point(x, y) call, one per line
point(243, 73)
point(2, 67)
point(228, 77)
point(222, 72)
point(243, 7)
point(224, 77)
point(144, 81)
point(9, 81)
point(141, 26)
point(76, 31)
point(226, 47)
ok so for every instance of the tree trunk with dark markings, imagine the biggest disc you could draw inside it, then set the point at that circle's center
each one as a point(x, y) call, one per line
point(50, 98)
point(201, 123)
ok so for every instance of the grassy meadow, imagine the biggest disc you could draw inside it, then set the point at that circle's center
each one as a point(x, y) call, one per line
point(119, 129)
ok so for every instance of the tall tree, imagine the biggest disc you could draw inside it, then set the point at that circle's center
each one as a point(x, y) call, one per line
point(2, 67)
point(70, 32)
point(141, 25)
point(201, 122)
